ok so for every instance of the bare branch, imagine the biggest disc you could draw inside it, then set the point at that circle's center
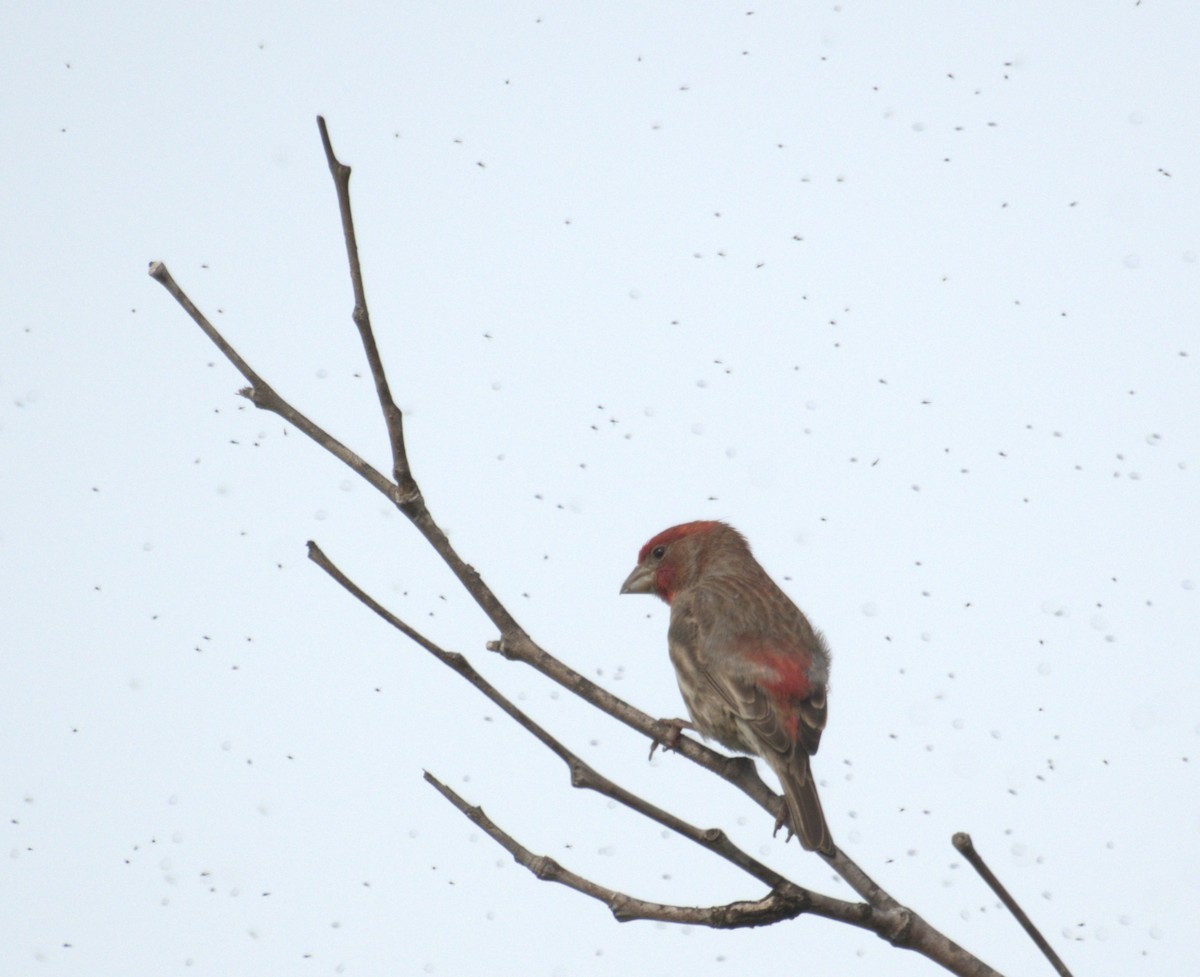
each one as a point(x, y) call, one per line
point(412, 504)
point(786, 902)
point(263, 395)
point(407, 496)
point(158, 271)
point(880, 913)
point(962, 841)
point(362, 319)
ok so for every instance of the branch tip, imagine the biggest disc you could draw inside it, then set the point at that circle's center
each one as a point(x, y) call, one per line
point(962, 842)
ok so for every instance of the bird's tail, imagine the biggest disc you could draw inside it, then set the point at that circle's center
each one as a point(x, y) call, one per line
point(806, 819)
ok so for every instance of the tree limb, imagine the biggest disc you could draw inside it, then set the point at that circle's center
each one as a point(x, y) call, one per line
point(879, 912)
point(962, 841)
point(362, 318)
point(785, 902)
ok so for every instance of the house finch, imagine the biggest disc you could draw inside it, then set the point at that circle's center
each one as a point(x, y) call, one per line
point(751, 668)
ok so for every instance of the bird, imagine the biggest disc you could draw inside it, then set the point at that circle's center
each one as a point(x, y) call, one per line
point(752, 670)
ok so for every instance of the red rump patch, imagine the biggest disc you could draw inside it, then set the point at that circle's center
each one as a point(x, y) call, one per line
point(668, 536)
point(790, 684)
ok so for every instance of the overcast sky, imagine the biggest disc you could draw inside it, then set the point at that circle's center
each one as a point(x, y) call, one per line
point(909, 293)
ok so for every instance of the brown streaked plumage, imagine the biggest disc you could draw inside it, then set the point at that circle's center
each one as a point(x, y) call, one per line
point(752, 670)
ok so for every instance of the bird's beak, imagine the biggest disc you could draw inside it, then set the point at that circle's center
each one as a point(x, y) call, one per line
point(641, 581)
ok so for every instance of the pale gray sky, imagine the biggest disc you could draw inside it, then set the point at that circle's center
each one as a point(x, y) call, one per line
point(908, 293)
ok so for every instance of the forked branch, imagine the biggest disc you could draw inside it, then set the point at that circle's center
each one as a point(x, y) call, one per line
point(780, 904)
point(878, 912)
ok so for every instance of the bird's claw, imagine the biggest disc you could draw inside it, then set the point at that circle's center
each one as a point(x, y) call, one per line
point(670, 741)
point(782, 821)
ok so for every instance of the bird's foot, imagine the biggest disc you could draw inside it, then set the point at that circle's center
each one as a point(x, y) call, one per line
point(670, 741)
point(781, 821)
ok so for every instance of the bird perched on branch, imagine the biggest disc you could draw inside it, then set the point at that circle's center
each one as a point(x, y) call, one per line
point(752, 670)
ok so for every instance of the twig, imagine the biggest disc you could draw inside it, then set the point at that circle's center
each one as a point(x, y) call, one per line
point(779, 905)
point(962, 841)
point(392, 416)
point(412, 504)
point(407, 495)
point(263, 395)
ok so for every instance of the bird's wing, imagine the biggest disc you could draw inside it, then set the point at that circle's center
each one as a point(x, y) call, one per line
point(766, 684)
point(765, 677)
point(766, 681)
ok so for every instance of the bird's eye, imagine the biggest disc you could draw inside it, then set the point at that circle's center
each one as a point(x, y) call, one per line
point(658, 552)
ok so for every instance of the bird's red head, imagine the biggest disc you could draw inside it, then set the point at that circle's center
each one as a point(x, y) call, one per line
point(671, 559)
point(703, 527)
